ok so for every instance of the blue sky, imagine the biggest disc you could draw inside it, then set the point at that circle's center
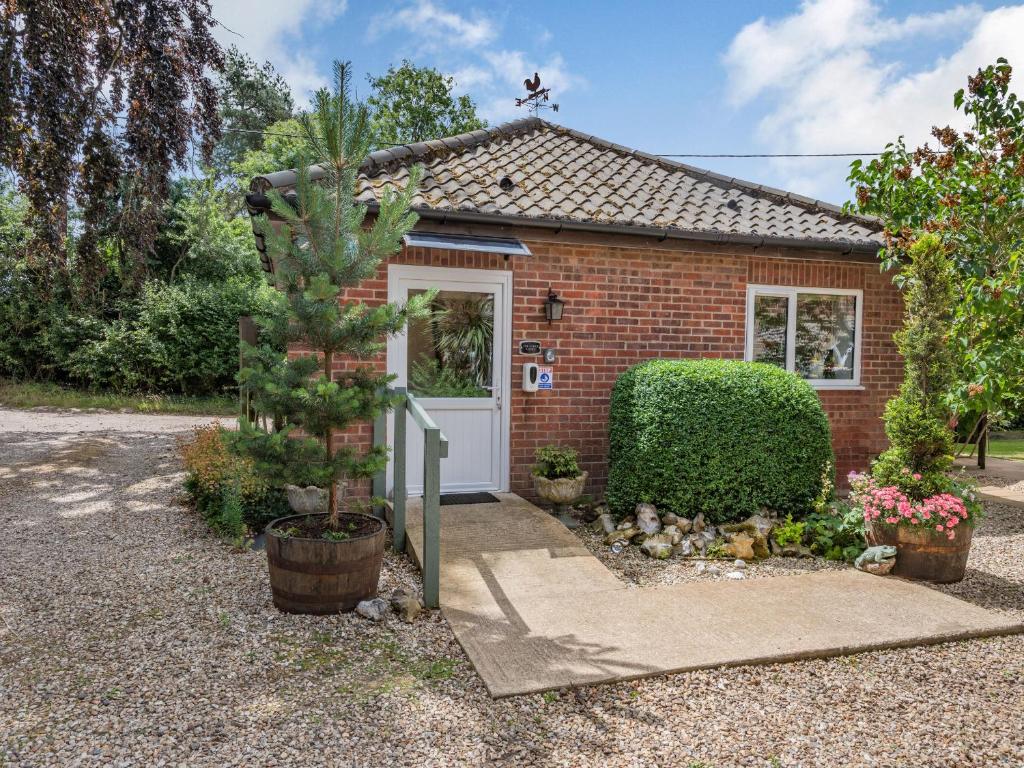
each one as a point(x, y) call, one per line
point(668, 77)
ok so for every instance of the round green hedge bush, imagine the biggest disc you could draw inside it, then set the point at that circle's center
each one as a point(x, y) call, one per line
point(721, 437)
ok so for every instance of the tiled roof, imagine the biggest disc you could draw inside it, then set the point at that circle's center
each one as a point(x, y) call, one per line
point(533, 171)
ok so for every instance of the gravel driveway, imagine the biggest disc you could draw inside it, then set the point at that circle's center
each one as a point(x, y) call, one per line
point(130, 636)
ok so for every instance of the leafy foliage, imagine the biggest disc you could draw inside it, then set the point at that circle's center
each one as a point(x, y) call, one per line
point(428, 379)
point(251, 97)
point(411, 104)
point(321, 250)
point(71, 70)
point(967, 193)
point(789, 531)
point(556, 461)
point(720, 437)
point(836, 533)
point(916, 419)
point(225, 487)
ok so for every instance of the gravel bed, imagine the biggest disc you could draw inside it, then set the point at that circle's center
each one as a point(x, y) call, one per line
point(130, 636)
point(638, 570)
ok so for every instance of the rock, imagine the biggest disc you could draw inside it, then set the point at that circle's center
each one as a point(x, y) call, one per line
point(669, 519)
point(755, 525)
point(625, 536)
point(674, 533)
point(701, 567)
point(735, 575)
point(713, 570)
point(741, 546)
point(604, 523)
point(626, 522)
point(698, 522)
point(740, 565)
point(790, 550)
point(878, 560)
point(761, 550)
point(407, 606)
point(374, 610)
point(879, 569)
point(684, 524)
point(308, 500)
point(658, 546)
point(647, 518)
point(684, 548)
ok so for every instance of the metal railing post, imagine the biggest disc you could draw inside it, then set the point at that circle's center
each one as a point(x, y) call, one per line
point(432, 517)
point(399, 456)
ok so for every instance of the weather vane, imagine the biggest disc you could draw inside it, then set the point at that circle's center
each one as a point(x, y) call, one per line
point(536, 100)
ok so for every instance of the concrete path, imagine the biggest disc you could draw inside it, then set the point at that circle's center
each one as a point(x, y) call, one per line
point(535, 610)
point(1000, 480)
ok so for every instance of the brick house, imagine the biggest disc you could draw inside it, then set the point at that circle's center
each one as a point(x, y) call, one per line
point(652, 258)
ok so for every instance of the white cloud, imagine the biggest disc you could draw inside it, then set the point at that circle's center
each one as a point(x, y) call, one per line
point(433, 24)
point(836, 83)
point(270, 30)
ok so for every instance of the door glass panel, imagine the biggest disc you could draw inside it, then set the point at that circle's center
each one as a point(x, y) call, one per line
point(770, 315)
point(825, 331)
point(451, 352)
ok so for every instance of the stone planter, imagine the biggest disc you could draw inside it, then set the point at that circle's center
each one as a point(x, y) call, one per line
point(564, 490)
point(319, 576)
point(924, 554)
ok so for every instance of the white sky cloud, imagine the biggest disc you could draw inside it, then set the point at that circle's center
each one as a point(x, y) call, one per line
point(431, 23)
point(832, 79)
point(272, 30)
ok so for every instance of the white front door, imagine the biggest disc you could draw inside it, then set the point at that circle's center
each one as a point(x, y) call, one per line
point(456, 363)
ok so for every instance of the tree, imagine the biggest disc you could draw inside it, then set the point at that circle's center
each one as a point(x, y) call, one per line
point(252, 97)
point(411, 104)
point(968, 192)
point(917, 418)
point(321, 250)
point(100, 102)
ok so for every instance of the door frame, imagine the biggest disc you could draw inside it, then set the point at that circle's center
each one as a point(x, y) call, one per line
point(446, 277)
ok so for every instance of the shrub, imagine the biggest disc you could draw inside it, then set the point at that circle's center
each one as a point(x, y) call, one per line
point(555, 461)
point(175, 338)
point(720, 437)
point(225, 488)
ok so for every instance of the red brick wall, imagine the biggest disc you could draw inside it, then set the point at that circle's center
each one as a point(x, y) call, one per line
point(635, 300)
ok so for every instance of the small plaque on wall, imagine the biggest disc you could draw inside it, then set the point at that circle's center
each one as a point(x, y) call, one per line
point(529, 347)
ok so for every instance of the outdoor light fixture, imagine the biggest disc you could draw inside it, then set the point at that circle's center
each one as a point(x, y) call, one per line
point(553, 306)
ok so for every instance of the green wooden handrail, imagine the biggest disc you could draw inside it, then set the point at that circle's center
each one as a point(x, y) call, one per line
point(435, 448)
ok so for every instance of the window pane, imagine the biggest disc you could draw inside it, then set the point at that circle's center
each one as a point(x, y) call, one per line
point(825, 328)
point(451, 353)
point(770, 315)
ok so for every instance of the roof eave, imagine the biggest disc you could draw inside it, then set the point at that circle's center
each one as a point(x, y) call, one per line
point(660, 233)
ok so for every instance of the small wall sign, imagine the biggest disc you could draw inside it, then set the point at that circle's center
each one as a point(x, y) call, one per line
point(529, 347)
point(545, 377)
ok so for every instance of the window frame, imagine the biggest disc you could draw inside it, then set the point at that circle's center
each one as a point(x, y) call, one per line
point(791, 293)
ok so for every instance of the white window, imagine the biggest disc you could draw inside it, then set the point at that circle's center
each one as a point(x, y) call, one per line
point(814, 332)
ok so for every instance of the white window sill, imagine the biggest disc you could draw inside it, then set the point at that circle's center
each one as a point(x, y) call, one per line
point(838, 387)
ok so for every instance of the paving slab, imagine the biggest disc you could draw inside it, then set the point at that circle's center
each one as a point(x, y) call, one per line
point(535, 610)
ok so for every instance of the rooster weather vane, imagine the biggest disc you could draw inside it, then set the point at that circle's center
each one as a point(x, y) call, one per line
point(537, 98)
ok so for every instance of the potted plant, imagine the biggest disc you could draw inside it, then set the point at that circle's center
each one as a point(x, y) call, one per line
point(326, 559)
point(909, 500)
point(557, 476)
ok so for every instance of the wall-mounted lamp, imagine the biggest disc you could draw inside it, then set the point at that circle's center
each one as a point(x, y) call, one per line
point(553, 306)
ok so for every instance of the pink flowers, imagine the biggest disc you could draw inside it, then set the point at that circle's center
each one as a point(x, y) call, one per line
point(888, 504)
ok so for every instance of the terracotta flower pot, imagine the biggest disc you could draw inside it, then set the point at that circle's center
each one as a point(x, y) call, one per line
point(924, 554)
point(564, 490)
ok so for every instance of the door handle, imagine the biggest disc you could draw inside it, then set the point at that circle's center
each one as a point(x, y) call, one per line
point(497, 400)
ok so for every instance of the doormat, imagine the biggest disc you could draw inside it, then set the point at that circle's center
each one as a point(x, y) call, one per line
point(450, 499)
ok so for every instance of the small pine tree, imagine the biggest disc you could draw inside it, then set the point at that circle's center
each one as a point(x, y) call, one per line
point(323, 249)
point(916, 419)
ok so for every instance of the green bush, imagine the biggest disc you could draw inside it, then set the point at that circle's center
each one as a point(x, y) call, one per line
point(555, 462)
point(179, 338)
point(720, 437)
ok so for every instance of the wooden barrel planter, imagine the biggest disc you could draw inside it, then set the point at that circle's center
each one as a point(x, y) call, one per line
point(318, 576)
point(924, 554)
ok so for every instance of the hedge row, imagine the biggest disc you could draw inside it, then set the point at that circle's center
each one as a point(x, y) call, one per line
point(720, 437)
